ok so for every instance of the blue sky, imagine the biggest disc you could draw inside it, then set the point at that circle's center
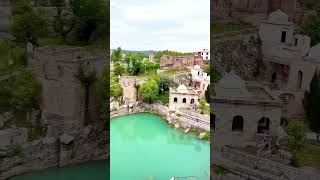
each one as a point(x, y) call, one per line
point(180, 25)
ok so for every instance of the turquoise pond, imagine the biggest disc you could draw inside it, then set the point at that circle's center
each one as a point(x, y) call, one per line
point(97, 170)
point(144, 147)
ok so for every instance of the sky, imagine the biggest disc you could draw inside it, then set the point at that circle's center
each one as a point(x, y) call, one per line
point(179, 25)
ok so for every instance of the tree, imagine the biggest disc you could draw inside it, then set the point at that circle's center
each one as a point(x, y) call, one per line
point(115, 90)
point(312, 27)
point(296, 140)
point(119, 69)
point(149, 91)
point(20, 94)
point(207, 94)
point(87, 78)
point(202, 106)
point(64, 21)
point(28, 24)
point(207, 69)
point(89, 14)
point(164, 84)
point(116, 55)
point(311, 103)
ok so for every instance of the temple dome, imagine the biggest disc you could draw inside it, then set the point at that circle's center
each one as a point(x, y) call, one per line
point(197, 67)
point(182, 88)
point(231, 81)
point(278, 17)
point(231, 86)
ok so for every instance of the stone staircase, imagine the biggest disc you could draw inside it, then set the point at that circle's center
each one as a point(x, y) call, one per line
point(284, 100)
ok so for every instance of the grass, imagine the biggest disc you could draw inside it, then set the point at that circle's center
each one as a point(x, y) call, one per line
point(310, 156)
point(174, 71)
point(229, 26)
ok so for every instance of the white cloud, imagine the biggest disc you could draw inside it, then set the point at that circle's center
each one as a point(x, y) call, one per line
point(181, 25)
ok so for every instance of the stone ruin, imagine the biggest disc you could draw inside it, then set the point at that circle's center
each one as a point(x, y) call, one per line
point(254, 11)
point(63, 94)
point(168, 62)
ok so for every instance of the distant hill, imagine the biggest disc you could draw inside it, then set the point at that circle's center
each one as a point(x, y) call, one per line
point(146, 52)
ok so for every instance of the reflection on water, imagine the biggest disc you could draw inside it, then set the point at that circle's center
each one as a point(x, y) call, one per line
point(97, 170)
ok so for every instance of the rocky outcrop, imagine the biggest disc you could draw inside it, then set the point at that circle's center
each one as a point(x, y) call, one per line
point(236, 51)
point(90, 143)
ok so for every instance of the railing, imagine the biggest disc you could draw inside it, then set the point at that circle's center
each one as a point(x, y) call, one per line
point(185, 178)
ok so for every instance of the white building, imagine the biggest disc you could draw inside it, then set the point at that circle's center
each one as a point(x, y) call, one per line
point(182, 97)
point(204, 54)
point(200, 80)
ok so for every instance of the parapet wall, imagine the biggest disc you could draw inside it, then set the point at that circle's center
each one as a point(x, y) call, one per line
point(254, 167)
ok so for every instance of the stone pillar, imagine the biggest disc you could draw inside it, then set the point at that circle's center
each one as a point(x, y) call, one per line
point(5, 15)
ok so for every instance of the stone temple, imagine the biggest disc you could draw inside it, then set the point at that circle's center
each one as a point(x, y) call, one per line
point(243, 111)
point(289, 61)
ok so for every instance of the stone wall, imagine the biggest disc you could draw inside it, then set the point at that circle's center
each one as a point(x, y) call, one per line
point(238, 51)
point(253, 167)
point(90, 143)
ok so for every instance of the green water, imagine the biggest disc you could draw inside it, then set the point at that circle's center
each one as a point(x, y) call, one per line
point(97, 170)
point(145, 147)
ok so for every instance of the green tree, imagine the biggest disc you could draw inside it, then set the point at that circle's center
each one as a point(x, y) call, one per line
point(89, 14)
point(116, 55)
point(28, 24)
point(87, 79)
point(21, 93)
point(149, 91)
point(311, 103)
point(207, 94)
point(164, 84)
point(202, 106)
point(115, 90)
point(64, 21)
point(296, 140)
point(207, 69)
point(312, 27)
point(119, 69)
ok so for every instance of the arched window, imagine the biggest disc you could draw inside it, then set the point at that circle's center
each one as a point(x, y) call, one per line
point(263, 125)
point(237, 123)
point(212, 122)
point(175, 99)
point(192, 101)
point(184, 100)
point(299, 81)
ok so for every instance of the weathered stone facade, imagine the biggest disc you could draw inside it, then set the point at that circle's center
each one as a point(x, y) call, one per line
point(168, 62)
point(63, 94)
point(254, 11)
point(241, 111)
point(130, 85)
point(183, 97)
point(5, 15)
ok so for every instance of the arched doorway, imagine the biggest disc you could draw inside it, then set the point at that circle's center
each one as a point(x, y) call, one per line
point(299, 79)
point(237, 123)
point(184, 100)
point(263, 125)
point(273, 77)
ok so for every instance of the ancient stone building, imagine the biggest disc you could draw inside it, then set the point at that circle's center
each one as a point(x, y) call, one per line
point(289, 61)
point(130, 86)
point(168, 62)
point(200, 80)
point(64, 96)
point(254, 11)
point(5, 15)
point(182, 97)
point(243, 111)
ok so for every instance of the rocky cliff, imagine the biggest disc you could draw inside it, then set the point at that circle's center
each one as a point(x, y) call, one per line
point(90, 143)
